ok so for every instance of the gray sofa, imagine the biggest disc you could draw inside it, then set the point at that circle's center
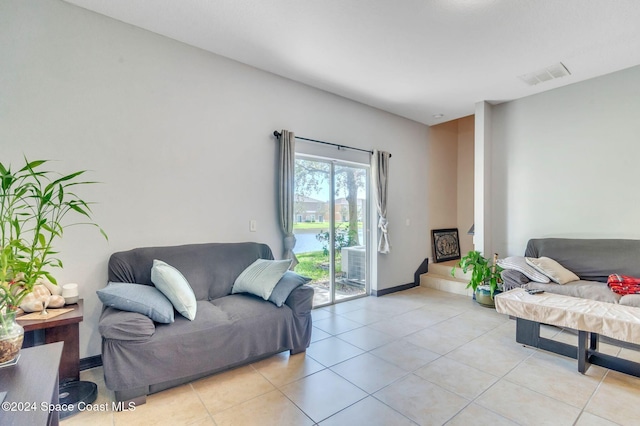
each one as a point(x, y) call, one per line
point(141, 357)
point(592, 260)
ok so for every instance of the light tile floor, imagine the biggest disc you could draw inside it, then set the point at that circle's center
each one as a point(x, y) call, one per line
point(420, 356)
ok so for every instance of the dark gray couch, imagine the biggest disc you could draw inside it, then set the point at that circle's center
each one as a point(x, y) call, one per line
point(592, 260)
point(142, 357)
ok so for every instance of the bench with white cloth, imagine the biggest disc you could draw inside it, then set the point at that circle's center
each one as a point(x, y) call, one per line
point(590, 318)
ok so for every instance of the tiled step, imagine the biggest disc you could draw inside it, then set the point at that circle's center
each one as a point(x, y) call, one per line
point(444, 269)
point(439, 278)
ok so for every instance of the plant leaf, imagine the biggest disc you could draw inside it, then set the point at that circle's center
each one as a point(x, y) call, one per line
point(50, 277)
point(41, 240)
point(32, 165)
point(78, 209)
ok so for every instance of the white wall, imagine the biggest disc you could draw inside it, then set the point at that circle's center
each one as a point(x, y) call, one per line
point(565, 163)
point(465, 181)
point(482, 201)
point(180, 139)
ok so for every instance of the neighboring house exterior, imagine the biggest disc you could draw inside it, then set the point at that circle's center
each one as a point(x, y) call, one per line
point(342, 209)
point(309, 209)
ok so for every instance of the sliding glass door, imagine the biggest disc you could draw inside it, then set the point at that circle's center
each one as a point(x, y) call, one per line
point(331, 227)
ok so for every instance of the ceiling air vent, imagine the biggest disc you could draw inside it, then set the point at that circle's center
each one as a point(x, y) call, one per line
point(545, 74)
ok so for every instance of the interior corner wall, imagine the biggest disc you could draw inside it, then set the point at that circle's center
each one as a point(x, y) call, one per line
point(465, 165)
point(442, 167)
point(566, 163)
point(180, 139)
point(450, 188)
point(482, 202)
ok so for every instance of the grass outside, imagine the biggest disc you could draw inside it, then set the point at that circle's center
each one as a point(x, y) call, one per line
point(311, 225)
point(315, 265)
point(317, 225)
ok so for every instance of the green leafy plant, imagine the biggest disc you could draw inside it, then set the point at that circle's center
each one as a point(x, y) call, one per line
point(344, 237)
point(482, 271)
point(34, 203)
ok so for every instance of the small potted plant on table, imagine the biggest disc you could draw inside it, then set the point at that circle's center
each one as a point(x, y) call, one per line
point(33, 204)
point(485, 276)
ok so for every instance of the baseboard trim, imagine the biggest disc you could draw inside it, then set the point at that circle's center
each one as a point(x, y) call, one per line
point(422, 269)
point(90, 362)
point(389, 290)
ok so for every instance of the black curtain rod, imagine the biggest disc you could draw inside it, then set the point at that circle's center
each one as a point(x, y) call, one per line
point(277, 135)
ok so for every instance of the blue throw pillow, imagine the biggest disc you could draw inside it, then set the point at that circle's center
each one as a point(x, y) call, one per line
point(143, 299)
point(289, 282)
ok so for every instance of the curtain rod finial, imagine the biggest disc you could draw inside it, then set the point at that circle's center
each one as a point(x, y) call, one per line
point(276, 133)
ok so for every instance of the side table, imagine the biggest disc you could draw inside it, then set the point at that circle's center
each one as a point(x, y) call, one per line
point(63, 328)
point(31, 386)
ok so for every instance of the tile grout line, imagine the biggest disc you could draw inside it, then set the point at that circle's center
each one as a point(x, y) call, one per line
point(368, 394)
point(470, 401)
point(202, 402)
point(593, 394)
point(278, 388)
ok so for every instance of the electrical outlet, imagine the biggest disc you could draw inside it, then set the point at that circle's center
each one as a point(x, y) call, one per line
point(253, 225)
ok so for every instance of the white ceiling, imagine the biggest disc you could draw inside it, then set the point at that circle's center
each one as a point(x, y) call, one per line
point(414, 58)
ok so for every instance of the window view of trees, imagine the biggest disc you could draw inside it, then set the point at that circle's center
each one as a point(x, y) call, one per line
point(312, 177)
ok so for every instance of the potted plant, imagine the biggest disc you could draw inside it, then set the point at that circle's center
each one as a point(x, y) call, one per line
point(33, 205)
point(485, 276)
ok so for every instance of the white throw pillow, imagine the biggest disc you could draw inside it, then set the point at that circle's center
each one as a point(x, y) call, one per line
point(552, 269)
point(518, 263)
point(261, 277)
point(175, 286)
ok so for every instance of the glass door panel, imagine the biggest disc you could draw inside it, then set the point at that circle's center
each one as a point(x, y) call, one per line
point(350, 254)
point(330, 228)
point(312, 226)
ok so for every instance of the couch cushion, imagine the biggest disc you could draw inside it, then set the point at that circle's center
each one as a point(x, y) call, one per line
point(176, 287)
point(210, 318)
point(143, 299)
point(247, 309)
point(585, 289)
point(261, 277)
point(631, 300)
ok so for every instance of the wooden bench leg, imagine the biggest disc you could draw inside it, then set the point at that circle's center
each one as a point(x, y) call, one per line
point(583, 350)
point(594, 341)
point(527, 332)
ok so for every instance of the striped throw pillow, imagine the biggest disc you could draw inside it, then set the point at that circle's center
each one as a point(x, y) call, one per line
point(520, 264)
point(261, 277)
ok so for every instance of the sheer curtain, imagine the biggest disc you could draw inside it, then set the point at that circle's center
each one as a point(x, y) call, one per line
point(380, 167)
point(286, 183)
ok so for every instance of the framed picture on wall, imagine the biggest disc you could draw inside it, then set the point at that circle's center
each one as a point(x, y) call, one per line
point(446, 244)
